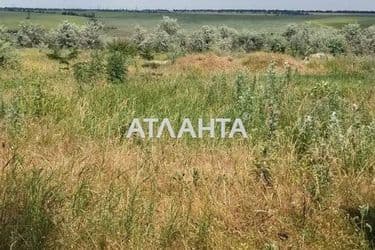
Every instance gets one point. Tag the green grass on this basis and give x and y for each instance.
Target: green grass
(125, 21)
(339, 21)
(70, 179)
(122, 23)
(12, 19)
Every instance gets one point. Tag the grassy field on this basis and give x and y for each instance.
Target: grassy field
(122, 23)
(70, 179)
(12, 19)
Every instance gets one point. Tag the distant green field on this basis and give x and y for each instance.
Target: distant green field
(12, 19)
(125, 21)
(121, 23)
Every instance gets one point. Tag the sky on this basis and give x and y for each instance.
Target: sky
(196, 4)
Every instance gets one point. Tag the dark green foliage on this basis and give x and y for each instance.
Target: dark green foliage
(127, 48)
(276, 43)
(120, 53)
(90, 71)
(336, 44)
(116, 67)
(250, 42)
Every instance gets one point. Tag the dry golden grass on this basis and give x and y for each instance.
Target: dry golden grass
(242, 207)
(120, 194)
(206, 63)
(259, 62)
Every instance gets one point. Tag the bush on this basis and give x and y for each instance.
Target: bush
(119, 54)
(276, 43)
(306, 39)
(355, 38)
(127, 48)
(290, 31)
(116, 67)
(299, 40)
(64, 42)
(3, 31)
(227, 32)
(250, 41)
(169, 25)
(204, 39)
(165, 38)
(336, 44)
(90, 35)
(161, 41)
(8, 57)
(66, 36)
(227, 38)
(138, 36)
(31, 35)
(5, 35)
(146, 49)
(90, 71)
(370, 39)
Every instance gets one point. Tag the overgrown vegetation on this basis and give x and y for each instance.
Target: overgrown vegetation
(304, 179)
(168, 36)
(298, 40)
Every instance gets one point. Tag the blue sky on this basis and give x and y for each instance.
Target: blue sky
(196, 4)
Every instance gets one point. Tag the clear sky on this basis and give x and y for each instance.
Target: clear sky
(197, 4)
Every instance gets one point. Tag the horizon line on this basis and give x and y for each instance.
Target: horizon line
(186, 9)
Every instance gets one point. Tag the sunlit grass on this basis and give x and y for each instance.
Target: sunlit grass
(69, 178)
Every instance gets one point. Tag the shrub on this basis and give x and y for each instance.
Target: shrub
(158, 41)
(204, 39)
(64, 42)
(90, 35)
(276, 43)
(116, 67)
(181, 40)
(90, 71)
(138, 36)
(125, 47)
(31, 35)
(299, 40)
(306, 39)
(355, 38)
(290, 31)
(370, 39)
(119, 53)
(225, 44)
(5, 34)
(169, 25)
(336, 44)
(161, 41)
(250, 41)
(227, 32)
(2, 32)
(8, 57)
(228, 37)
(66, 36)
(146, 49)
